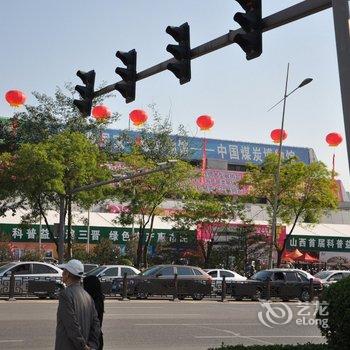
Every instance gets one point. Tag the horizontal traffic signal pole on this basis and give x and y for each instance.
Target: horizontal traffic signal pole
(120, 178)
(278, 19)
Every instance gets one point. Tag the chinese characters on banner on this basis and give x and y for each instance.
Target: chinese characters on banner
(318, 243)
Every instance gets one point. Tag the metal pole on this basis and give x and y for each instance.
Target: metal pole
(277, 178)
(61, 231)
(88, 231)
(40, 228)
(342, 38)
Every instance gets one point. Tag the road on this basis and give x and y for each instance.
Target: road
(160, 324)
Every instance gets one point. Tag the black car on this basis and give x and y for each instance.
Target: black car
(284, 283)
(160, 280)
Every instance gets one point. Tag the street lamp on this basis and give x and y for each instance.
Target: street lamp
(277, 174)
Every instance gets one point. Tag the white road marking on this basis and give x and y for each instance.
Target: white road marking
(135, 307)
(11, 341)
(194, 324)
(151, 314)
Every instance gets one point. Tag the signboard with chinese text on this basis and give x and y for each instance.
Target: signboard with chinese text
(119, 235)
(319, 243)
(234, 152)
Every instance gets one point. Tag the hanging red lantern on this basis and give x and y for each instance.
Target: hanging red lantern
(15, 98)
(138, 117)
(101, 112)
(276, 135)
(205, 122)
(334, 139)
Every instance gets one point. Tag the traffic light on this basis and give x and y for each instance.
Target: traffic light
(250, 21)
(127, 87)
(86, 92)
(181, 52)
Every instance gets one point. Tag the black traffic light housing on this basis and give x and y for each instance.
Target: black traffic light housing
(181, 52)
(86, 92)
(127, 87)
(251, 23)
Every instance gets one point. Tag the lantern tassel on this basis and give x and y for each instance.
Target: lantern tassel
(204, 160)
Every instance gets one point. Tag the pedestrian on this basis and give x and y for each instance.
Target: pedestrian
(78, 327)
(93, 286)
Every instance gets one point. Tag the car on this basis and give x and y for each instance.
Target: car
(329, 277)
(218, 274)
(284, 283)
(32, 277)
(111, 272)
(89, 267)
(160, 280)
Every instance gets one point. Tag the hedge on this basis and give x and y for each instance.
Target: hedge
(275, 347)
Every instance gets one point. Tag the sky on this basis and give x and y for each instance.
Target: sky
(45, 42)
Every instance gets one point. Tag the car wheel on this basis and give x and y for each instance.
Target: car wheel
(197, 296)
(304, 296)
(181, 297)
(257, 295)
(42, 297)
(285, 300)
(238, 298)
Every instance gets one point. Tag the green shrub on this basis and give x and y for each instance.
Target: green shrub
(337, 332)
(275, 347)
(124, 261)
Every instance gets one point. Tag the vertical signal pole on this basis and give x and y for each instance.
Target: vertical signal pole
(342, 38)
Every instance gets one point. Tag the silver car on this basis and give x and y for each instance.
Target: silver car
(31, 278)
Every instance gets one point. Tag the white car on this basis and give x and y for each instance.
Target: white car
(110, 272)
(332, 276)
(25, 272)
(218, 274)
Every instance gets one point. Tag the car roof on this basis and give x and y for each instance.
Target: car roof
(334, 271)
(173, 265)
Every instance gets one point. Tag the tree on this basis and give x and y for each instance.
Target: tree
(154, 145)
(40, 174)
(5, 250)
(306, 191)
(105, 253)
(211, 214)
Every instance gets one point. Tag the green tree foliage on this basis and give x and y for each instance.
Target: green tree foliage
(212, 212)
(5, 251)
(306, 191)
(39, 174)
(105, 253)
(31, 255)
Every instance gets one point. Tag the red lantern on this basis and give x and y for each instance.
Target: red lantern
(101, 112)
(334, 139)
(205, 122)
(276, 135)
(15, 98)
(138, 117)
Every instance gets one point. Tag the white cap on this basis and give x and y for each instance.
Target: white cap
(74, 266)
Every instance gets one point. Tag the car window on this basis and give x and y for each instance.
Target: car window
(226, 274)
(213, 273)
(336, 277)
(278, 276)
(323, 274)
(261, 276)
(112, 271)
(96, 271)
(291, 276)
(167, 271)
(129, 272)
(152, 271)
(7, 266)
(302, 276)
(23, 269)
(41, 269)
(198, 272)
(184, 271)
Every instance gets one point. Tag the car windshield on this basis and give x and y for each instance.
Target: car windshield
(261, 276)
(151, 271)
(323, 274)
(7, 266)
(95, 271)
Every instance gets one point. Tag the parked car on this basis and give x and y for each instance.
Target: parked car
(89, 267)
(160, 280)
(32, 277)
(111, 272)
(332, 276)
(284, 283)
(218, 274)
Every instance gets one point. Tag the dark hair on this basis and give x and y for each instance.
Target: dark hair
(93, 286)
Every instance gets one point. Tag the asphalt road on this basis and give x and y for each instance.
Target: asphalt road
(185, 325)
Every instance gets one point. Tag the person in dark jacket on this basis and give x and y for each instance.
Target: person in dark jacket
(93, 286)
(78, 326)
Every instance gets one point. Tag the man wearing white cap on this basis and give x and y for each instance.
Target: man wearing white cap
(78, 327)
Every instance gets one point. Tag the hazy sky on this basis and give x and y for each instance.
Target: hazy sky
(45, 42)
